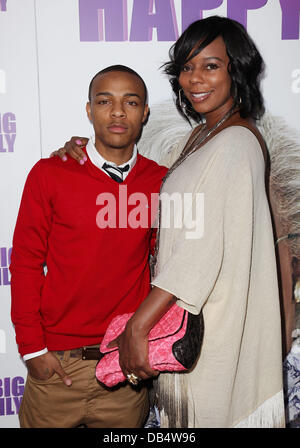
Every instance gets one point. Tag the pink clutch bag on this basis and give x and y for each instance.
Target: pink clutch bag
(174, 344)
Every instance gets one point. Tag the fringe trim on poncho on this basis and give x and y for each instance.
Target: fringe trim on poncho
(169, 395)
(268, 415)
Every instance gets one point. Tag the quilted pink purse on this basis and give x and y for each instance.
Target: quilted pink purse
(174, 344)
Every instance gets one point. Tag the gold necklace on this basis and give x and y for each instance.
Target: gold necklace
(198, 141)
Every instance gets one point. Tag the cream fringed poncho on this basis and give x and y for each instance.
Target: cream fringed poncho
(229, 273)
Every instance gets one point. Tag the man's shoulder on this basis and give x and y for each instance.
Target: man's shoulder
(48, 171)
(52, 164)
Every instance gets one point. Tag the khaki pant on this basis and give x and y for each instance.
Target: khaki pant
(52, 404)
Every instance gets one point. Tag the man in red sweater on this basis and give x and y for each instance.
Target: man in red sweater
(84, 224)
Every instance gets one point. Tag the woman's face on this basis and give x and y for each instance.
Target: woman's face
(206, 82)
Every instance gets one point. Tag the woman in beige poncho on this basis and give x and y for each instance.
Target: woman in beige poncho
(229, 272)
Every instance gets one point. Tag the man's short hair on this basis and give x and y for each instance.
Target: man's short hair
(119, 68)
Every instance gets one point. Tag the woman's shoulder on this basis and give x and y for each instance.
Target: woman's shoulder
(239, 139)
(235, 148)
(240, 132)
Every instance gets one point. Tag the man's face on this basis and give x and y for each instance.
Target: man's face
(117, 110)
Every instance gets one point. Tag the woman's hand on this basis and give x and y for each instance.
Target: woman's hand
(73, 149)
(133, 353)
(133, 342)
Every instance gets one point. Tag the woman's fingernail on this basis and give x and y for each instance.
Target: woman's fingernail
(78, 142)
(81, 162)
(64, 158)
(85, 158)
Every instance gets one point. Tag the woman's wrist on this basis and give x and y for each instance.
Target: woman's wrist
(150, 312)
(138, 327)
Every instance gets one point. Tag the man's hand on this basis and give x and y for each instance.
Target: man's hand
(44, 366)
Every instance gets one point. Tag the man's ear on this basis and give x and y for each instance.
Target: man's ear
(88, 111)
(146, 113)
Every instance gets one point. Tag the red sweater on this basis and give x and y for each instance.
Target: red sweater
(93, 273)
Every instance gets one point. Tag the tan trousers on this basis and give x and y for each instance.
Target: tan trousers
(52, 404)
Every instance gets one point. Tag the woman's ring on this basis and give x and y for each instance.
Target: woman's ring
(133, 379)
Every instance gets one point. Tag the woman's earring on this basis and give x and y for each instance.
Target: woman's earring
(181, 103)
(180, 99)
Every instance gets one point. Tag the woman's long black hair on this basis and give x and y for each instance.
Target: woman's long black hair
(245, 63)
